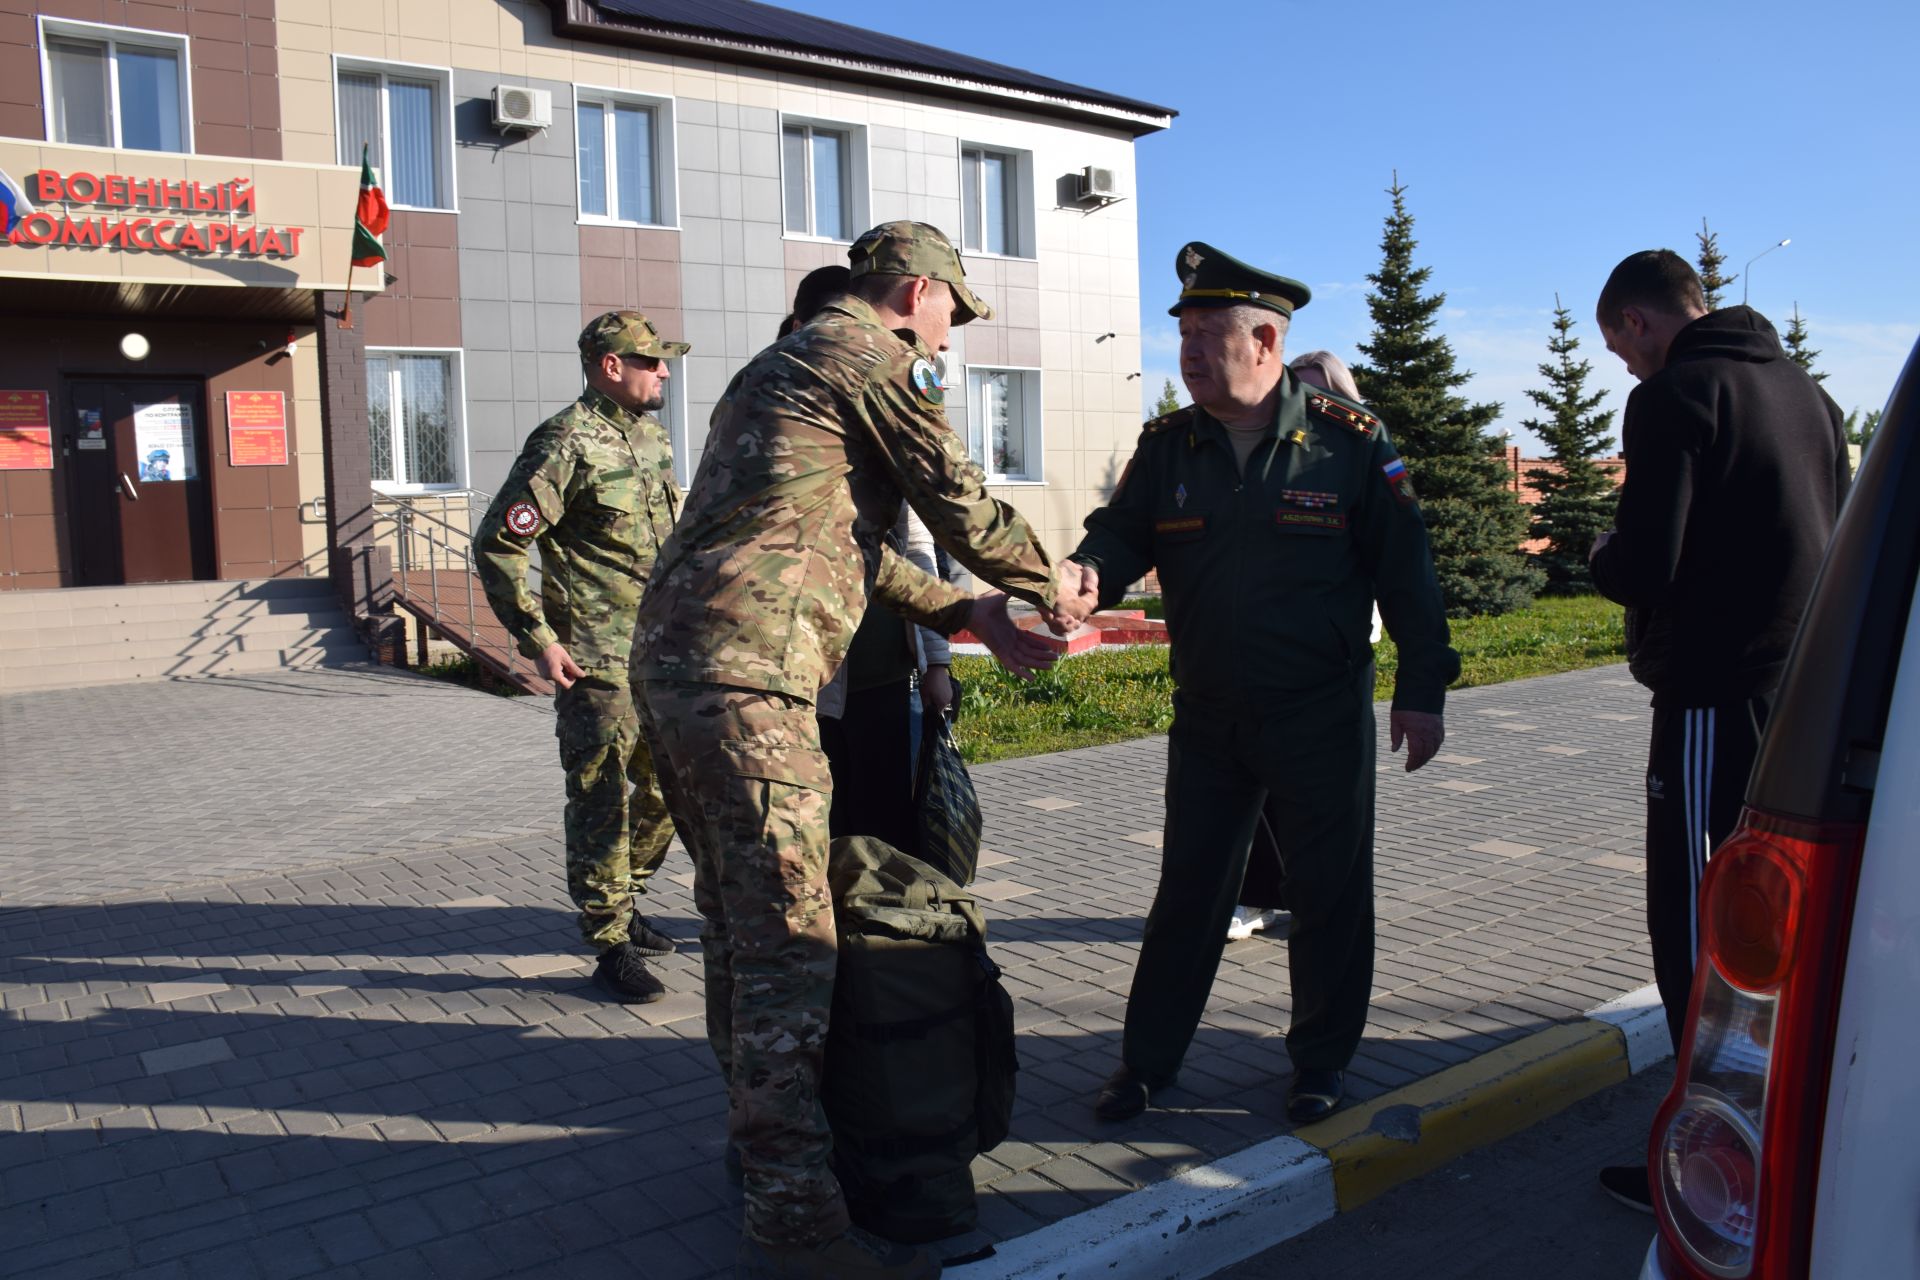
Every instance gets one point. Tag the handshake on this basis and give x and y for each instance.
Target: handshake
(1021, 651)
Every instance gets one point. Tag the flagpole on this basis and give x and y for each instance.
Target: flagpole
(346, 312)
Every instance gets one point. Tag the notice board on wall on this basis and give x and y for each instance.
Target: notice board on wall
(257, 428)
(26, 431)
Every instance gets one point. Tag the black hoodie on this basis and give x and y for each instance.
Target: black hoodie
(1736, 468)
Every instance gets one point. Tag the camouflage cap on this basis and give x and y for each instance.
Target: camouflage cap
(1209, 278)
(626, 333)
(916, 249)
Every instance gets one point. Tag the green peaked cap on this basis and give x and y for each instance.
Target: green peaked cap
(1210, 278)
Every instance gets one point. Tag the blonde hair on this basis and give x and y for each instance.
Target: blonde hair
(1332, 368)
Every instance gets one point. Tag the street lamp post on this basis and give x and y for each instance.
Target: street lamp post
(1755, 258)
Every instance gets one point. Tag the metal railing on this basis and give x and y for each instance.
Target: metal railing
(431, 537)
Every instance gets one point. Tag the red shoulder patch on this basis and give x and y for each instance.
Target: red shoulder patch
(523, 519)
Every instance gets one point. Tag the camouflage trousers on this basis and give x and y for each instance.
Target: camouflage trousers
(617, 823)
(748, 786)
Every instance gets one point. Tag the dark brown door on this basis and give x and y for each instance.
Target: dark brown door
(140, 496)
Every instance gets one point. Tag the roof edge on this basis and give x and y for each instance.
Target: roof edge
(581, 20)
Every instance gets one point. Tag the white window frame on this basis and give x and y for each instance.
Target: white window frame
(444, 166)
(1033, 407)
(676, 422)
(1024, 222)
(859, 193)
(666, 156)
(457, 405)
(103, 33)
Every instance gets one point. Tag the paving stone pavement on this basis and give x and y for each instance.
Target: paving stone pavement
(292, 1044)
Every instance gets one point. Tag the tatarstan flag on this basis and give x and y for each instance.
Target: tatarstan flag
(369, 217)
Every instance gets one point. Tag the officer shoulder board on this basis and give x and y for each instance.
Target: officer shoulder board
(1183, 416)
(1344, 412)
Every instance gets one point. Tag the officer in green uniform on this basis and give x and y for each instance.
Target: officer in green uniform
(1274, 512)
(593, 488)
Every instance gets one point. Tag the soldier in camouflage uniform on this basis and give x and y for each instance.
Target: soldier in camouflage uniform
(750, 613)
(594, 489)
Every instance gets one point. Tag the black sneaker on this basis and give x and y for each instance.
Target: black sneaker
(646, 939)
(1628, 1184)
(623, 974)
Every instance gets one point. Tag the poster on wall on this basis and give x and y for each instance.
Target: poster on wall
(257, 428)
(26, 431)
(163, 442)
(92, 437)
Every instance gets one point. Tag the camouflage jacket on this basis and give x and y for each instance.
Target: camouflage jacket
(593, 486)
(1267, 575)
(811, 450)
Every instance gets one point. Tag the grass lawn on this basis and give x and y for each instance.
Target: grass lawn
(1111, 695)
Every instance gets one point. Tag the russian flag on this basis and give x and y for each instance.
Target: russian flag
(14, 205)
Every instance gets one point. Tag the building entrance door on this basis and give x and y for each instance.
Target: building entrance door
(138, 490)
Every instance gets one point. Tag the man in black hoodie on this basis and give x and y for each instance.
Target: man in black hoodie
(1736, 468)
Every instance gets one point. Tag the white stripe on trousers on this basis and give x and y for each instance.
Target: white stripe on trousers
(1696, 769)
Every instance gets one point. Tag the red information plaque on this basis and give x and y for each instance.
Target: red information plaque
(26, 431)
(257, 428)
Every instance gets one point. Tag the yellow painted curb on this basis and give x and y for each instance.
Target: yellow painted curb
(1377, 1146)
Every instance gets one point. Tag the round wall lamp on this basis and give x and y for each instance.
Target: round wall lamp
(134, 346)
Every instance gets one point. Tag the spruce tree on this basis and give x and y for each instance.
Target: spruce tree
(1168, 402)
(1474, 520)
(1576, 497)
(1711, 281)
(1797, 349)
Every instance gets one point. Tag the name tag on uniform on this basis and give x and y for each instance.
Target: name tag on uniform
(1311, 519)
(1186, 524)
(624, 473)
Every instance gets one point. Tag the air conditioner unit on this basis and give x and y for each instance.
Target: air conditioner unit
(518, 107)
(1099, 184)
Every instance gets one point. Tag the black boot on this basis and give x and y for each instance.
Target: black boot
(623, 974)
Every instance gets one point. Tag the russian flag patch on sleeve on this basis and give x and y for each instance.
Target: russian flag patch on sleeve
(1398, 481)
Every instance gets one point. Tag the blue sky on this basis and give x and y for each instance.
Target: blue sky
(1540, 144)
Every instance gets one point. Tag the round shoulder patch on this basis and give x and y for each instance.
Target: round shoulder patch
(523, 518)
(926, 382)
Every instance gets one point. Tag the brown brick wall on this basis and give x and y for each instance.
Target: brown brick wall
(234, 75)
(256, 519)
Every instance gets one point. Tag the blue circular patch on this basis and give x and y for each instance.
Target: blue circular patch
(927, 383)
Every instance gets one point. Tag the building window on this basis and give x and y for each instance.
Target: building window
(990, 183)
(673, 418)
(400, 116)
(108, 88)
(821, 168)
(626, 158)
(1003, 422)
(413, 416)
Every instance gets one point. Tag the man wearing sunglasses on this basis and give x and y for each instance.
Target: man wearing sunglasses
(593, 488)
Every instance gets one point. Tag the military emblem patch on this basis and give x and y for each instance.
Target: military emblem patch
(1180, 496)
(523, 518)
(1398, 481)
(926, 383)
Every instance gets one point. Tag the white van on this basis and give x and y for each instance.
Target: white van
(1789, 1145)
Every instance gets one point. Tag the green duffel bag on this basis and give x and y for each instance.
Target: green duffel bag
(920, 1058)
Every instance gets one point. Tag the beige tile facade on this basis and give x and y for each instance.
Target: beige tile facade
(1080, 282)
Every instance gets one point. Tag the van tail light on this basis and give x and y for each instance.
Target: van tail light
(1734, 1149)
